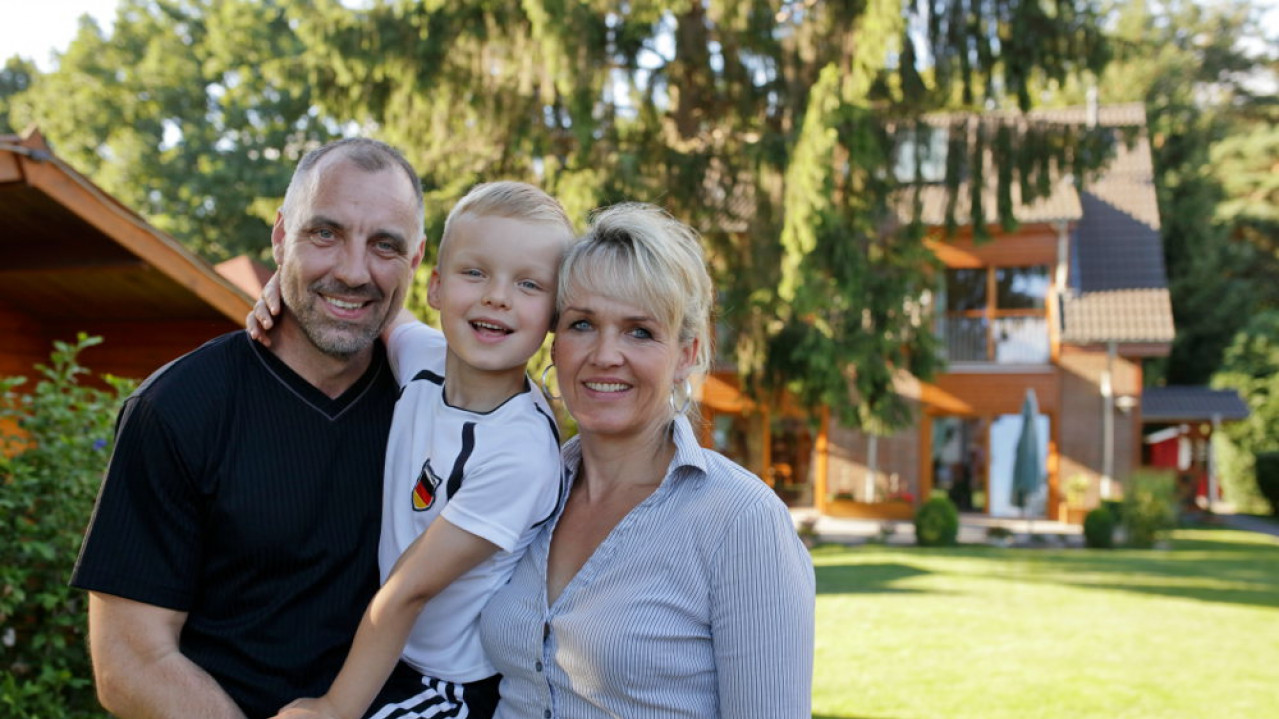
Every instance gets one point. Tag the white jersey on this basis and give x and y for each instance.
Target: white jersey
(494, 474)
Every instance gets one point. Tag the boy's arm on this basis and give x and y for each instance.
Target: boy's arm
(440, 555)
(139, 671)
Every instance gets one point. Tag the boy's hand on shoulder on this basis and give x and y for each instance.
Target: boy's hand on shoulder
(261, 318)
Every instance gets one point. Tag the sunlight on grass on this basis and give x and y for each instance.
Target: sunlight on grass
(985, 633)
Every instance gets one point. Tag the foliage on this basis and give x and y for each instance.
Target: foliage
(1250, 366)
(1268, 478)
(56, 443)
(15, 77)
(1150, 502)
(1099, 528)
(767, 126)
(1187, 62)
(937, 522)
(191, 112)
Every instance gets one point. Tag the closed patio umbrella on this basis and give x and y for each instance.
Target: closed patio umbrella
(1028, 466)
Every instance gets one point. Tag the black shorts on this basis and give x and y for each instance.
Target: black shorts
(409, 695)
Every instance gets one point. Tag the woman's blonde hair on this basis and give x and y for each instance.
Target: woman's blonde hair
(637, 253)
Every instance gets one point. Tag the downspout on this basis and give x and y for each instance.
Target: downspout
(1212, 462)
(1108, 422)
(872, 466)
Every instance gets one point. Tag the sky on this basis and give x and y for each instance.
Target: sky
(35, 28)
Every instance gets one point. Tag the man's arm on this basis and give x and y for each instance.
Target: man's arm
(140, 673)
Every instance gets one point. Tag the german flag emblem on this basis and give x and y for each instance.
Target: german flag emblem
(425, 488)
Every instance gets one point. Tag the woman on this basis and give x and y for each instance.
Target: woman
(672, 583)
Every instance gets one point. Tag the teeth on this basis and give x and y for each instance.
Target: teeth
(343, 304)
(607, 386)
(488, 326)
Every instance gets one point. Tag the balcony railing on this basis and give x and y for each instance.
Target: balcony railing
(1006, 340)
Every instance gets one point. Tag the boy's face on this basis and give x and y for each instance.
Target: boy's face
(494, 287)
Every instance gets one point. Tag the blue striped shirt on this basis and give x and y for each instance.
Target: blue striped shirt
(699, 603)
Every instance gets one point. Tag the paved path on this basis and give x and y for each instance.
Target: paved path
(1250, 523)
(973, 529)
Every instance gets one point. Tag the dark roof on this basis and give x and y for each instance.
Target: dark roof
(1191, 404)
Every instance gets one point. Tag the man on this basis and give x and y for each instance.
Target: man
(234, 543)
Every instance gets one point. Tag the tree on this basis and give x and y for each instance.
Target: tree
(1186, 61)
(767, 126)
(1250, 367)
(192, 112)
(14, 78)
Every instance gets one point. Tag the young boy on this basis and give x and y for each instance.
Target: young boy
(472, 465)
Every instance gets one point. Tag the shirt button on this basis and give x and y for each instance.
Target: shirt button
(547, 714)
(538, 666)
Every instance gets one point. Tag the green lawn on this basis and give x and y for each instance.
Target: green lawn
(912, 633)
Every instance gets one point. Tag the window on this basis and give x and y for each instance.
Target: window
(996, 314)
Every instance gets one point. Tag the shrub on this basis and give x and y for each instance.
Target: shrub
(1268, 478)
(55, 444)
(1150, 500)
(937, 523)
(1099, 529)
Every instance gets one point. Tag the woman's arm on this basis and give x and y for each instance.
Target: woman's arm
(762, 617)
(440, 555)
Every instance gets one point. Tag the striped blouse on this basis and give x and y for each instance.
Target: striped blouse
(699, 603)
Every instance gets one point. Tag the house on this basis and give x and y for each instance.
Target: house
(74, 259)
(1179, 423)
(1066, 306)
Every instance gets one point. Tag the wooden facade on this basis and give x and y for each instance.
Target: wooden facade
(76, 260)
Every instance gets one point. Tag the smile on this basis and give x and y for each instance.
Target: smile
(607, 386)
(489, 327)
(342, 304)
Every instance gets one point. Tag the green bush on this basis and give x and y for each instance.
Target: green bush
(1150, 501)
(937, 523)
(1099, 529)
(56, 443)
(1268, 478)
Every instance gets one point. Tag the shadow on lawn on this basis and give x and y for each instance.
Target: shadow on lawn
(1205, 565)
(865, 578)
(848, 716)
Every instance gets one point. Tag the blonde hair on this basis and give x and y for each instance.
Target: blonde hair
(639, 254)
(508, 199)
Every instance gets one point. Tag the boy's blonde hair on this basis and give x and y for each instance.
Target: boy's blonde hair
(638, 254)
(512, 200)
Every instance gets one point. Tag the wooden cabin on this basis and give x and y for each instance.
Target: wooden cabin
(74, 259)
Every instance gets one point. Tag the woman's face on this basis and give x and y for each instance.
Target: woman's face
(616, 364)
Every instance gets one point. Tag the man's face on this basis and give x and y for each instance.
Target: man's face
(346, 253)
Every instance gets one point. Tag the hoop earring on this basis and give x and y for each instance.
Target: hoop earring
(688, 398)
(545, 389)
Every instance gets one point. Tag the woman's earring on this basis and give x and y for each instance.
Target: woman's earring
(545, 389)
(688, 398)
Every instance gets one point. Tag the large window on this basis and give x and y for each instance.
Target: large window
(996, 314)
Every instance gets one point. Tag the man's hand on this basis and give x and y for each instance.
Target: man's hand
(313, 708)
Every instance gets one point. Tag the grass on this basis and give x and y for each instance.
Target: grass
(987, 633)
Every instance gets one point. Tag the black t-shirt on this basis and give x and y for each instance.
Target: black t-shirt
(241, 494)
